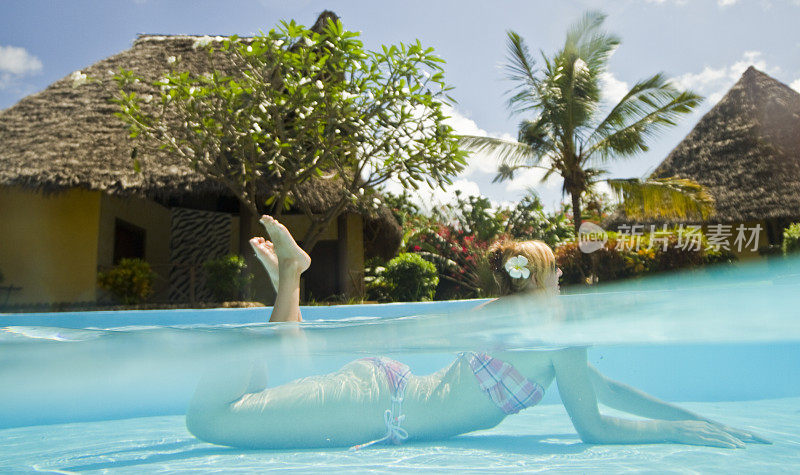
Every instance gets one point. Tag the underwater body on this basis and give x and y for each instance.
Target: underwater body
(109, 390)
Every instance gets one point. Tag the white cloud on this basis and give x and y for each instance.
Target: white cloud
(16, 62)
(721, 3)
(715, 82)
(532, 178)
(487, 163)
(602, 187)
(676, 2)
(476, 162)
(795, 85)
(481, 168)
(428, 198)
(613, 88)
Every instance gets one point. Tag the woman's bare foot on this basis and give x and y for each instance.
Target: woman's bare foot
(265, 252)
(290, 254)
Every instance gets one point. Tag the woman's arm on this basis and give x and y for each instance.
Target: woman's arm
(578, 394)
(626, 398)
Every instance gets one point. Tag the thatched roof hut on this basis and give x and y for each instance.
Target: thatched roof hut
(65, 137)
(746, 152)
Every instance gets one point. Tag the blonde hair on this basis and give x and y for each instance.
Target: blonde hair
(541, 263)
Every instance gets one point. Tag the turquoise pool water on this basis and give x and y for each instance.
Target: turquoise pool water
(107, 391)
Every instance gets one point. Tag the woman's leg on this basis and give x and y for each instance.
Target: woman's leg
(292, 261)
(333, 410)
(218, 388)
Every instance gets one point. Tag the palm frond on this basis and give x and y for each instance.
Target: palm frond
(649, 107)
(537, 135)
(520, 70)
(570, 90)
(589, 24)
(592, 174)
(587, 40)
(505, 172)
(663, 198)
(505, 151)
(520, 67)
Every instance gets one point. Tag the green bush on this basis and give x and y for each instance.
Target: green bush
(613, 262)
(378, 289)
(227, 277)
(130, 281)
(410, 278)
(719, 256)
(608, 262)
(791, 239)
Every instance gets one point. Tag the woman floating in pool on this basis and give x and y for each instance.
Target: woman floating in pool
(375, 400)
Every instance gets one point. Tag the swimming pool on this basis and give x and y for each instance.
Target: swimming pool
(101, 390)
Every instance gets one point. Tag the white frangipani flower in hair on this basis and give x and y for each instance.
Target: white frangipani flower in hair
(517, 267)
(171, 60)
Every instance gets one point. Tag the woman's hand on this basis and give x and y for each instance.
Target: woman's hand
(702, 433)
(742, 435)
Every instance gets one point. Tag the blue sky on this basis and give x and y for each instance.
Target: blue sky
(704, 45)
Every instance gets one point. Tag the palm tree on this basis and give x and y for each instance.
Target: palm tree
(573, 135)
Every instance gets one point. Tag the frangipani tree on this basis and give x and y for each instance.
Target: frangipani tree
(572, 135)
(295, 104)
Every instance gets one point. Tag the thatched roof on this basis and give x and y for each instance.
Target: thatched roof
(65, 136)
(745, 151)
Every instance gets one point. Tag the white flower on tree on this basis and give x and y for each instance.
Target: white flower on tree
(202, 42)
(289, 132)
(78, 78)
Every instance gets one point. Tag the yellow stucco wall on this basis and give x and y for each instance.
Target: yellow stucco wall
(351, 254)
(146, 214)
(48, 245)
(52, 246)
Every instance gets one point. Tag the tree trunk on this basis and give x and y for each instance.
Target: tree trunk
(314, 232)
(246, 232)
(576, 222)
(318, 226)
